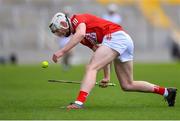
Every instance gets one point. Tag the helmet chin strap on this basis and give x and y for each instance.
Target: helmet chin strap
(69, 32)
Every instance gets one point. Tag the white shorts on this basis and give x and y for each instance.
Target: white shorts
(122, 43)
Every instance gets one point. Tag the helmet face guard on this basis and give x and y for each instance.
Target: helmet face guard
(53, 27)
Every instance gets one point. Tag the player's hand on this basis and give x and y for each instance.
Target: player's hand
(104, 83)
(55, 58)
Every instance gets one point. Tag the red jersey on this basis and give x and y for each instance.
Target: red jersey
(96, 28)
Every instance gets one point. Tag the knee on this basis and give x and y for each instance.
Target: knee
(126, 86)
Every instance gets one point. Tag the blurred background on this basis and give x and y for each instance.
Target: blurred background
(26, 39)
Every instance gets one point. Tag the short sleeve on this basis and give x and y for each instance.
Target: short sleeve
(76, 20)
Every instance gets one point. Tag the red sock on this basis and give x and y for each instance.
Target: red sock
(159, 90)
(82, 96)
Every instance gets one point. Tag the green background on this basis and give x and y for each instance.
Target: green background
(26, 94)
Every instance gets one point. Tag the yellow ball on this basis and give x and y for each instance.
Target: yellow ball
(44, 64)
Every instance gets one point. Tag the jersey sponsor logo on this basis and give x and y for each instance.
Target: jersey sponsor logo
(75, 21)
(91, 37)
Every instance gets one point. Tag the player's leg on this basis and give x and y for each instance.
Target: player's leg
(124, 71)
(101, 57)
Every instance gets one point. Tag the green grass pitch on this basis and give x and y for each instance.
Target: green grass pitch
(26, 94)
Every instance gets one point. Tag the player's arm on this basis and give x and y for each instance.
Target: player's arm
(106, 73)
(75, 39)
(104, 82)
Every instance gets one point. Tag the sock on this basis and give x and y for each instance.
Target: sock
(81, 97)
(160, 90)
(165, 93)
